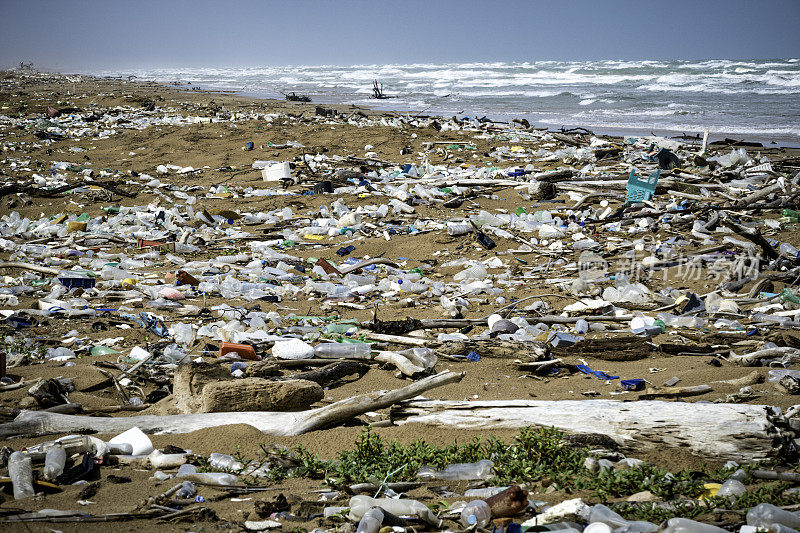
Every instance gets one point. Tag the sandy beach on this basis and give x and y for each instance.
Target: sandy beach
(128, 129)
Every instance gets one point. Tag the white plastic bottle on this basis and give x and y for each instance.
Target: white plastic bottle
(20, 471)
(476, 513)
(54, 462)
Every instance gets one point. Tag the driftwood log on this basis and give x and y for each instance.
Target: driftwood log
(713, 432)
(30, 423)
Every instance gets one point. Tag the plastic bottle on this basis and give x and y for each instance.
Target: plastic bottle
(476, 513)
(459, 471)
(458, 229)
(159, 459)
(787, 249)
(187, 490)
(684, 525)
(482, 494)
(213, 478)
(222, 461)
(476, 271)
(371, 521)
(333, 350)
(732, 487)
(54, 462)
(360, 504)
(764, 514)
(601, 513)
(20, 471)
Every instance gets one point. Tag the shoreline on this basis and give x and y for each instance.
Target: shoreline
(775, 141)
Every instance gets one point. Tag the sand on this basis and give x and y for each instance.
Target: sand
(212, 146)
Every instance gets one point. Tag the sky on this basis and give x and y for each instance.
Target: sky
(87, 35)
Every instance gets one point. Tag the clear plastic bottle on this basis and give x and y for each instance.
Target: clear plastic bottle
(482, 469)
(371, 521)
(187, 490)
(213, 478)
(360, 504)
(482, 494)
(787, 249)
(458, 229)
(764, 514)
(684, 525)
(222, 461)
(20, 470)
(476, 513)
(54, 462)
(601, 513)
(333, 350)
(732, 487)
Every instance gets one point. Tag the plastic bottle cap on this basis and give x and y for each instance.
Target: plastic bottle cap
(472, 519)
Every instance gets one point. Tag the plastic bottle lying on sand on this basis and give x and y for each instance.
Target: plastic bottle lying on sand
(222, 461)
(54, 462)
(459, 471)
(482, 494)
(371, 521)
(332, 350)
(764, 514)
(684, 525)
(476, 514)
(359, 505)
(212, 478)
(20, 471)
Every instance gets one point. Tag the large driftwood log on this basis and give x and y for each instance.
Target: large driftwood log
(207, 388)
(31, 423)
(717, 432)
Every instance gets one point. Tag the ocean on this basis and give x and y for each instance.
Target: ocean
(749, 99)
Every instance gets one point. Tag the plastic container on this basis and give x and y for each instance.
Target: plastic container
(787, 249)
(333, 350)
(476, 514)
(20, 471)
(460, 471)
(158, 459)
(140, 443)
(732, 487)
(458, 229)
(482, 494)
(476, 271)
(292, 349)
(601, 514)
(277, 172)
(244, 351)
(359, 505)
(212, 478)
(371, 521)
(764, 514)
(54, 462)
(222, 461)
(187, 490)
(684, 525)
